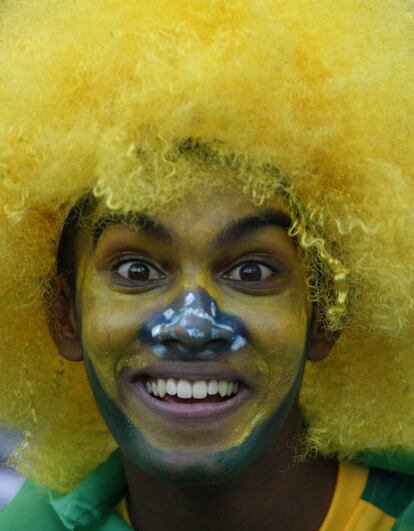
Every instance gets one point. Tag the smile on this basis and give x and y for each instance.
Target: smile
(186, 390)
(190, 399)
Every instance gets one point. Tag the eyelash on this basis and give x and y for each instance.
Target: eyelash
(132, 260)
(272, 270)
(245, 263)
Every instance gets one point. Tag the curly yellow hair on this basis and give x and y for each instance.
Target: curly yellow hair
(136, 101)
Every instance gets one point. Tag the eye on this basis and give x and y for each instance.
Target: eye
(250, 272)
(138, 271)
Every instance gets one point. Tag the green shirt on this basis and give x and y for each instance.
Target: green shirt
(90, 507)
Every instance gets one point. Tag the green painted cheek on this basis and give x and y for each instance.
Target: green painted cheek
(187, 467)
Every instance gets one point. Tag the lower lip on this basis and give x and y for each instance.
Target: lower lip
(191, 411)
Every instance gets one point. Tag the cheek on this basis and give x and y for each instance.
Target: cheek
(109, 327)
(277, 328)
(283, 328)
(102, 327)
(278, 331)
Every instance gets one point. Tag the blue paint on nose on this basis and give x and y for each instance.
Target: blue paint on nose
(193, 327)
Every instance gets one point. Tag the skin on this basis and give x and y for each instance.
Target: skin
(225, 461)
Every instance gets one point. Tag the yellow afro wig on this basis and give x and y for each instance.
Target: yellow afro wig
(134, 102)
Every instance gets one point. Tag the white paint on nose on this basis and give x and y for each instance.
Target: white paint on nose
(155, 331)
(168, 313)
(189, 299)
(238, 343)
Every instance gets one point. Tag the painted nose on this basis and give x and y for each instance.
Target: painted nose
(196, 329)
(195, 340)
(193, 328)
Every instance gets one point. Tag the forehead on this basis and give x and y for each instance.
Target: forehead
(201, 215)
(213, 211)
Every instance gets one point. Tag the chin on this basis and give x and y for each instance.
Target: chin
(188, 468)
(192, 467)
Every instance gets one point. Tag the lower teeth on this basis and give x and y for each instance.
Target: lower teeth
(176, 399)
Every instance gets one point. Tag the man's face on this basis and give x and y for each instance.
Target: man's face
(205, 299)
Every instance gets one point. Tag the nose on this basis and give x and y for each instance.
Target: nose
(195, 332)
(193, 328)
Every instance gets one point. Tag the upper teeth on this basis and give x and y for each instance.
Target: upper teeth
(186, 389)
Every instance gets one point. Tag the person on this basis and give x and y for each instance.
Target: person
(206, 242)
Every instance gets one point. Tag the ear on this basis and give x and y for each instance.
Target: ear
(319, 343)
(63, 325)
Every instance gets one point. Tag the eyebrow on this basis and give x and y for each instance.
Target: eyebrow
(135, 220)
(243, 226)
(230, 233)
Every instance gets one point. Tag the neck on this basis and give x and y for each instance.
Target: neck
(273, 492)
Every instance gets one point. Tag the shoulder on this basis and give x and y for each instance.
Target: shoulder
(30, 509)
(393, 494)
(37, 509)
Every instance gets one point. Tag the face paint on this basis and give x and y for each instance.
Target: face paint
(196, 318)
(223, 466)
(194, 328)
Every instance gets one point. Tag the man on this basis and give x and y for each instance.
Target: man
(207, 207)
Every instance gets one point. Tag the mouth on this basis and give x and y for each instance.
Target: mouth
(178, 391)
(190, 398)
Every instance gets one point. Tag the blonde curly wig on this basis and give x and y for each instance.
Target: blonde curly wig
(134, 102)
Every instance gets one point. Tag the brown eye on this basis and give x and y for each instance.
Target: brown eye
(250, 272)
(138, 271)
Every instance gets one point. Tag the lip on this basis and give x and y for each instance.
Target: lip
(186, 414)
(192, 371)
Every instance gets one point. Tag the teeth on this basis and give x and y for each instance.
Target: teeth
(185, 389)
(200, 389)
(155, 388)
(222, 388)
(171, 387)
(162, 388)
(212, 387)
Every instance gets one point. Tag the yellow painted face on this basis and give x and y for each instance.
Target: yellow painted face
(205, 305)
